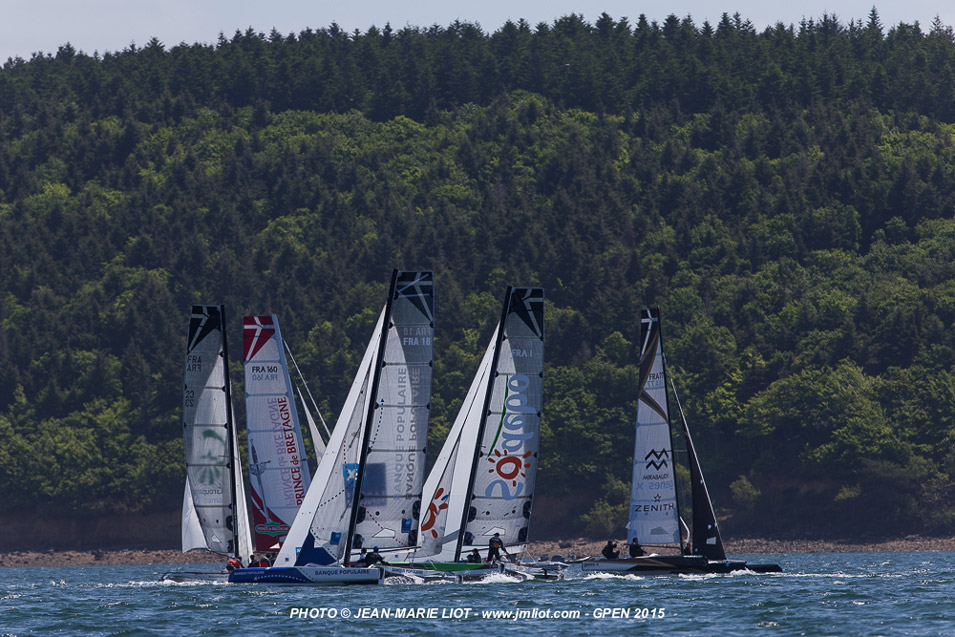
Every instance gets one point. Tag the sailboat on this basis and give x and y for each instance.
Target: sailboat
(366, 490)
(214, 514)
(483, 480)
(278, 466)
(655, 509)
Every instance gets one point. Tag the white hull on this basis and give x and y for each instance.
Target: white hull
(458, 571)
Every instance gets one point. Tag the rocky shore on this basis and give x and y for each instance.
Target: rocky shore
(745, 546)
(579, 547)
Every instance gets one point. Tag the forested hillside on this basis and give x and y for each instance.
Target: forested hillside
(786, 197)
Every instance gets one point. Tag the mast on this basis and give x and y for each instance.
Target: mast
(655, 312)
(480, 435)
(369, 420)
(230, 428)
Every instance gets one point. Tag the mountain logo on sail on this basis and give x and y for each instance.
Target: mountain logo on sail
(659, 455)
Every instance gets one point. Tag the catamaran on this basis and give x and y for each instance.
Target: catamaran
(366, 490)
(482, 483)
(214, 514)
(655, 509)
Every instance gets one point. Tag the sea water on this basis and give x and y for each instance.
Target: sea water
(817, 594)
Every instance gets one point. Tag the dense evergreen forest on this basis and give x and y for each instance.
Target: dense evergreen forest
(785, 196)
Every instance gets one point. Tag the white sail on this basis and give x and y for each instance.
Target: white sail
(445, 490)
(212, 468)
(192, 536)
(278, 466)
(318, 445)
(392, 475)
(319, 528)
(503, 480)
(243, 532)
(653, 504)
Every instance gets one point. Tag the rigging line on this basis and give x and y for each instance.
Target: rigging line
(307, 390)
(678, 404)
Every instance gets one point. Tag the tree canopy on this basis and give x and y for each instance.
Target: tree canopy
(786, 196)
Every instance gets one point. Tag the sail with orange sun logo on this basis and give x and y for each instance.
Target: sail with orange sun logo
(504, 473)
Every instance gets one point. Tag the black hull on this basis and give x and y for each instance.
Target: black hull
(674, 564)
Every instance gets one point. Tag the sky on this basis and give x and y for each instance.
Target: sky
(30, 26)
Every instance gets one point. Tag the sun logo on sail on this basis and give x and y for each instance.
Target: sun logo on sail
(508, 466)
(439, 502)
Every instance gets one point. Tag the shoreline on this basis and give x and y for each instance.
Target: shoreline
(580, 547)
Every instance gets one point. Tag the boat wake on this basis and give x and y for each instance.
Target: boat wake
(498, 578)
(613, 576)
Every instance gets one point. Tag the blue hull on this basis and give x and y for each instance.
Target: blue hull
(312, 575)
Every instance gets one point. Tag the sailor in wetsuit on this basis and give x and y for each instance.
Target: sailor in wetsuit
(374, 558)
(609, 551)
(635, 549)
(494, 547)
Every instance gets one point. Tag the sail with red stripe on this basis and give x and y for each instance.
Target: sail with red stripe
(278, 467)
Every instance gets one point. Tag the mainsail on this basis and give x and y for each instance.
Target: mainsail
(653, 501)
(214, 512)
(278, 467)
(391, 473)
(323, 530)
(504, 461)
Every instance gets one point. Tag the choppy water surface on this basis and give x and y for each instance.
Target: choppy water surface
(818, 594)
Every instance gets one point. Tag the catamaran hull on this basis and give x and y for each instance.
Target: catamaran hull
(313, 575)
(673, 564)
(450, 570)
(466, 571)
